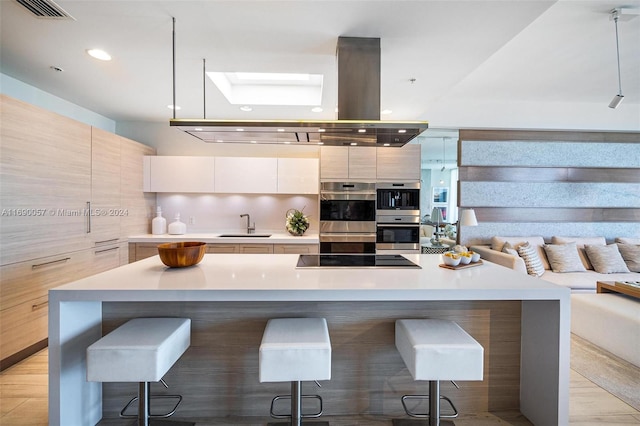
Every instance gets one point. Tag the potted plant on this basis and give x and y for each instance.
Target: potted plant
(297, 223)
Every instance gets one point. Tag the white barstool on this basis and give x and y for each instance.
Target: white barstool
(434, 350)
(295, 350)
(141, 350)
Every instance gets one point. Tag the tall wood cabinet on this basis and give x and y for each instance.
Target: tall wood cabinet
(347, 163)
(70, 195)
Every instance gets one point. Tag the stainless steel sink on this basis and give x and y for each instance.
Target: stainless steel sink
(245, 235)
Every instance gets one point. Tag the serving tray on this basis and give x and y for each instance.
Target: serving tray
(468, 265)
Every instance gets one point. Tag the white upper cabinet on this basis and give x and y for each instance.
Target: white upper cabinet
(298, 175)
(248, 175)
(181, 174)
(399, 163)
(343, 162)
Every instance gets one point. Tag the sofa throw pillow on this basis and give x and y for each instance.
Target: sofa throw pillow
(508, 248)
(606, 259)
(564, 257)
(580, 243)
(532, 261)
(498, 242)
(631, 255)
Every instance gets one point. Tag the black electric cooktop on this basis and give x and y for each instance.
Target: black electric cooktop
(354, 261)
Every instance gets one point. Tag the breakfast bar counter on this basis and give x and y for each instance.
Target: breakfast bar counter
(522, 322)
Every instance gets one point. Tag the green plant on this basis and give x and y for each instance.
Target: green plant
(297, 223)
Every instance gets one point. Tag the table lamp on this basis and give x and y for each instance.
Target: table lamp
(467, 218)
(436, 218)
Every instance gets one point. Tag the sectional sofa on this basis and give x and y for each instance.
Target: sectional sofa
(611, 321)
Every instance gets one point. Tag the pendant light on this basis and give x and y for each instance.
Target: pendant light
(615, 14)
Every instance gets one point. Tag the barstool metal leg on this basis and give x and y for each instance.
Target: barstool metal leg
(143, 404)
(434, 403)
(296, 404)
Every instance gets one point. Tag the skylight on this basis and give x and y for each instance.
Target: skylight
(249, 88)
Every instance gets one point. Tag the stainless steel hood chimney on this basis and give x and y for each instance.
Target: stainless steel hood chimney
(358, 111)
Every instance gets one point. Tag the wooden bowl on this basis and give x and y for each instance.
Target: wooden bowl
(179, 255)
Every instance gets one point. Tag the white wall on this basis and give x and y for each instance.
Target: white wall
(24, 92)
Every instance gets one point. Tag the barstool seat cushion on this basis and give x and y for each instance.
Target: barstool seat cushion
(435, 349)
(141, 350)
(295, 349)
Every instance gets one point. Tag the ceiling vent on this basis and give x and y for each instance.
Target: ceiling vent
(45, 9)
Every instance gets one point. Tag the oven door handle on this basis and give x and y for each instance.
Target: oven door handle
(399, 225)
(355, 237)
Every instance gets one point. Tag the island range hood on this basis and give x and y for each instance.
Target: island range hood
(358, 120)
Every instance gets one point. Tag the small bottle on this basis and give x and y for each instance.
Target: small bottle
(176, 227)
(159, 223)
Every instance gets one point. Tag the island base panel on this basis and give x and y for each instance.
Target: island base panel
(218, 375)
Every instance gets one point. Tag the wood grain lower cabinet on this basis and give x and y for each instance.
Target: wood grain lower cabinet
(222, 248)
(295, 248)
(24, 296)
(255, 248)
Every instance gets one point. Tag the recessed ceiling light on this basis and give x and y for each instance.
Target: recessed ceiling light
(246, 108)
(320, 143)
(321, 130)
(386, 112)
(354, 143)
(219, 140)
(198, 129)
(281, 130)
(239, 130)
(253, 142)
(316, 109)
(99, 54)
(177, 108)
(387, 144)
(287, 143)
(362, 130)
(402, 131)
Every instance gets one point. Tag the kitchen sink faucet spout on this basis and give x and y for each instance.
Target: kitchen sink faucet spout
(250, 229)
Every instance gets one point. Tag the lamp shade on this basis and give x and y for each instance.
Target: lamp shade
(436, 215)
(468, 218)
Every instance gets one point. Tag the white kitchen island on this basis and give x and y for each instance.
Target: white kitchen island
(522, 322)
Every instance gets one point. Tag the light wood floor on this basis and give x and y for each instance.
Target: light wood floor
(23, 401)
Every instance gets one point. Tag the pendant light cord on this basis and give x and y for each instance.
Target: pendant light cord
(615, 20)
(174, 66)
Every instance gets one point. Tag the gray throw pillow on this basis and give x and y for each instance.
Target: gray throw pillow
(631, 255)
(508, 248)
(606, 259)
(564, 257)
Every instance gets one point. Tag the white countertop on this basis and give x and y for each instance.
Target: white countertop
(275, 238)
(273, 277)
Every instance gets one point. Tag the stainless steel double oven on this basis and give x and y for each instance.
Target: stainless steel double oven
(347, 217)
(398, 217)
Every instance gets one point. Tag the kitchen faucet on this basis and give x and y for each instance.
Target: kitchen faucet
(250, 229)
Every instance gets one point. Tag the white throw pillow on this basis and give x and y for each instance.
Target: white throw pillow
(631, 255)
(606, 259)
(508, 248)
(580, 243)
(536, 241)
(564, 257)
(532, 261)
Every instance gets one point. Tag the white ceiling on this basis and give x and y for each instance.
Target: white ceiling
(526, 64)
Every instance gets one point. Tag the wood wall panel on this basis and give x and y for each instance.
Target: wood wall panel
(556, 136)
(218, 375)
(548, 174)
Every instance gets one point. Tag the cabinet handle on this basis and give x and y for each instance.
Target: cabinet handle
(37, 306)
(106, 250)
(88, 217)
(113, 240)
(53, 262)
